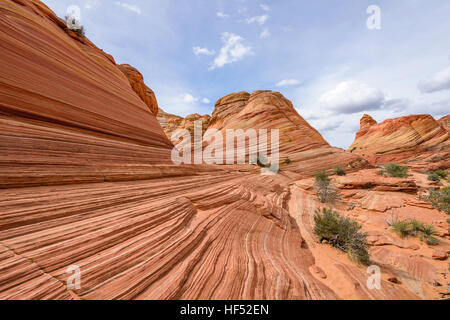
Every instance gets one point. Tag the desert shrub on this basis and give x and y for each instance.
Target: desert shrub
(439, 199)
(441, 173)
(415, 228)
(343, 233)
(427, 234)
(339, 171)
(381, 172)
(287, 161)
(351, 151)
(396, 171)
(327, 193)
(402, 228)
(434, 177)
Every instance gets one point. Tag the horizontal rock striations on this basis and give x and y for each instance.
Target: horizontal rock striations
(67, 112)
(87, 183)
(400, 138)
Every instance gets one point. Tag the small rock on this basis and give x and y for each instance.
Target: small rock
(439, 255)
(394, 280)
(315, 269)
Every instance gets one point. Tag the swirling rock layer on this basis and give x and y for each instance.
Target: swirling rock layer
(86, 181)
(67, 113)
(302, 148)
(400, 139)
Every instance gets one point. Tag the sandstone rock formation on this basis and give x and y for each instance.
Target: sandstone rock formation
(137, 83)
(299, 143)
(171, 123)
(86, 181)
(399, 139)
(445, 122)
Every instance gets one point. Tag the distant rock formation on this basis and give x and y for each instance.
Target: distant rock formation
(137, 83)
(87, 181)
(400, 138)
(445, 122)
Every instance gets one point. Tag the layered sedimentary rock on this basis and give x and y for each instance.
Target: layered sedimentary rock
(400, 138)
(302, 148)
(137, 83)
(168, 121)
(67, 112)
(171, 123)
(407, 265)
(445, 122)
(86, 182)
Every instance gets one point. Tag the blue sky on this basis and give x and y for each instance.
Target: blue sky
(319, 54)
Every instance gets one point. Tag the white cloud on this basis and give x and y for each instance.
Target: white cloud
(288, 82)
(438, 82)
(129, 7)
(222, 15)
(265, 7)
(203, 51)
(188, 98)
(258, 19)
(351, 97)
(265, 33)
(233, 50)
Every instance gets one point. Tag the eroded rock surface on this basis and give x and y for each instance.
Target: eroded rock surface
(400, 139)
(86, 180)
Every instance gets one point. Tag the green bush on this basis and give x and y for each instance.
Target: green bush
(327, 193)
(396, 171)
(440, 199)
(343, 233)
(427, 235)
(402, 228)
(322, 177)
(416, 226)
(434, 177)
(339, 171)
(381, 172)
(287, 161)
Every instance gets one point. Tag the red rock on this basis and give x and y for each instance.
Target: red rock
(394, 280)
(299, 141)
(439, 255)
(316, 270)
(137, 83)
(86, 180)
(445, 122)
(399, 139)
